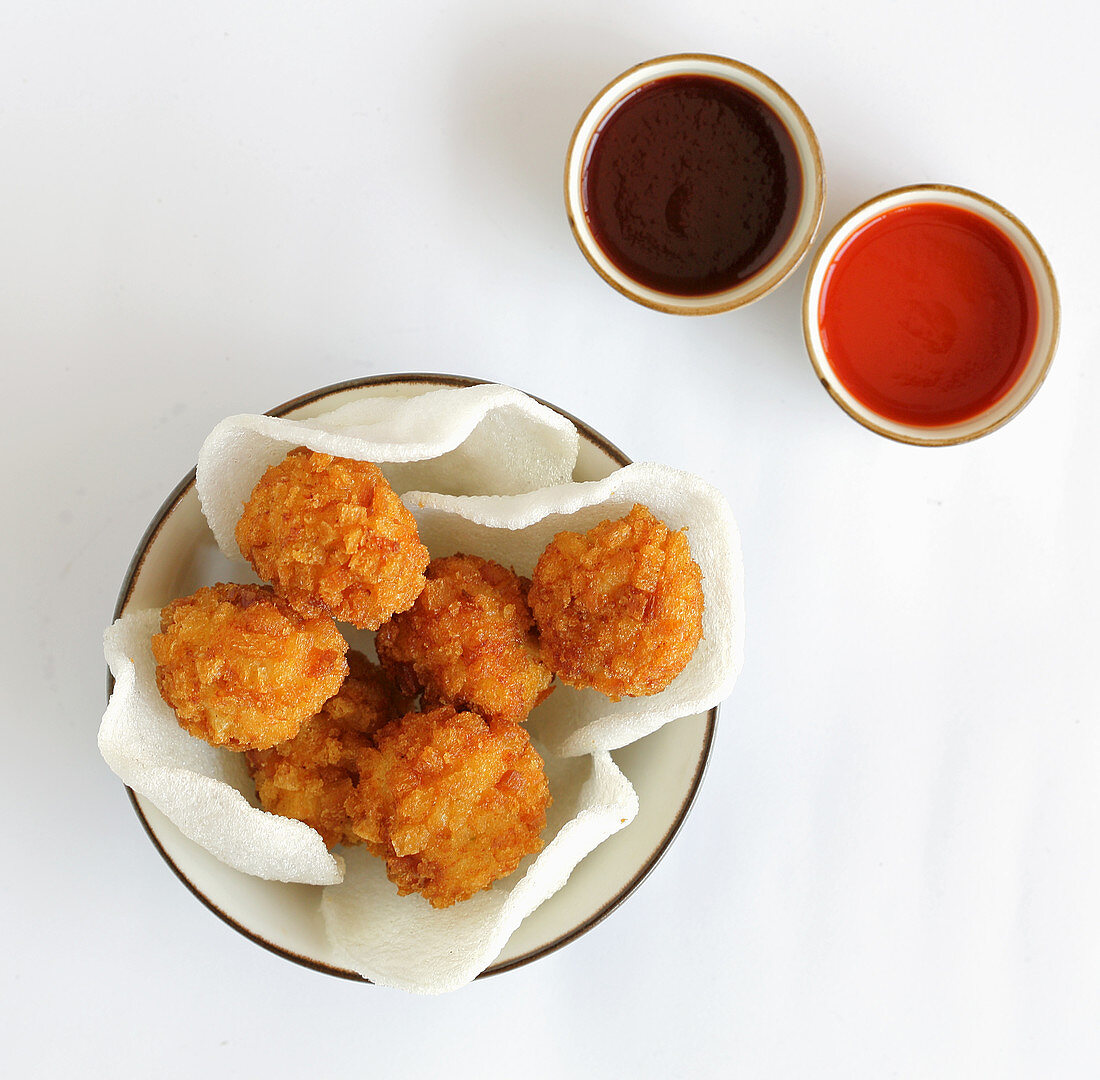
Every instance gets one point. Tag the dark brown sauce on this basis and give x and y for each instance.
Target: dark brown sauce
(691, 185)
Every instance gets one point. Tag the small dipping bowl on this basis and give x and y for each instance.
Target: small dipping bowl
(931, 315)
(693, 184)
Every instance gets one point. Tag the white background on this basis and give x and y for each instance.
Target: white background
(891, 869)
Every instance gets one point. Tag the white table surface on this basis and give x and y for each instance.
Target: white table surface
(891, 869)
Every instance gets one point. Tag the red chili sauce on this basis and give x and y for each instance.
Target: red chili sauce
(928, 314)
(691, 185)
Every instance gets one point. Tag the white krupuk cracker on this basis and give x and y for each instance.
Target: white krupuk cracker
(471, 440)
(393, 940)
(196, 786)
(402, 941)
(515, 529)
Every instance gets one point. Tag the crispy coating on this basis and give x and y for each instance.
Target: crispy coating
(451, 801)
(468, 641)
(243, 669)
(333, 538)
(619, 608)
(310, 776)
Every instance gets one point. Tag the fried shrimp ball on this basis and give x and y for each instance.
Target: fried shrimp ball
(451, 801)
(241, 668)
(333, 538)
(310, 776)
(468, 641)
(619, 608)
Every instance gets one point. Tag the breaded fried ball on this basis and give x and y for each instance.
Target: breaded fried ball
(241, 668)
(468, 641)
(451, 801)
(619, 608)
(333, 538)
(311, 776)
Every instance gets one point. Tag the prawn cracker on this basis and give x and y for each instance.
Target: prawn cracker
(196, 786)
(403, 942)
(473, 440)
(514, 530)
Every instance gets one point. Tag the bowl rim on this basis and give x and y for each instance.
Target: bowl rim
(134, 568)
(925, 192)
(670, 303)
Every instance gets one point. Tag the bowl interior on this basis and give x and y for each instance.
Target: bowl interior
(179, 555)
(1046, 336)
(809, 156)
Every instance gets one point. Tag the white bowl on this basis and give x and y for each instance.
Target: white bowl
(809, 157)
(178, 554)
(1046, 337)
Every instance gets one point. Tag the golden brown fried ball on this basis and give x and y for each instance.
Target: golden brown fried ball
(451, 801)
(333, 538)
(241, 668)
(468, 641)
(619, 608)
(311, 776)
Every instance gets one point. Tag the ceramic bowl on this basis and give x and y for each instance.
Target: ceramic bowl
(178, 554)
(781, 104)
(1039, 358)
